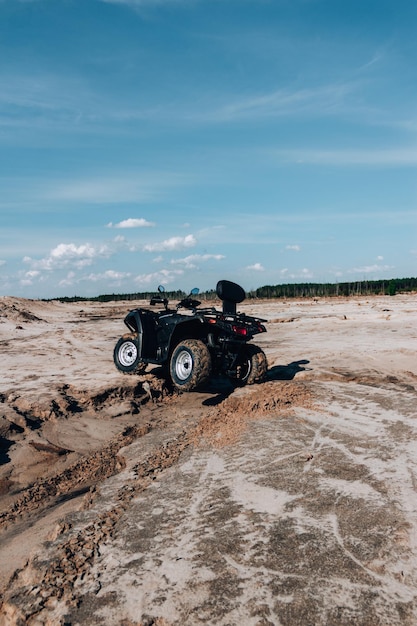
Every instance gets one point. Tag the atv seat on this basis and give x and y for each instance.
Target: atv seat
(230, 294)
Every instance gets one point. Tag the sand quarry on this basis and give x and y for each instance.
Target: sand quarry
(291, 502)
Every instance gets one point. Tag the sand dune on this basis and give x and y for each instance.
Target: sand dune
(289, 502)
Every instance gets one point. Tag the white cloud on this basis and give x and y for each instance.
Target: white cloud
(68, 281)
(70, 251)
(124, 244)
(190, 262)
(390, 157)
(43, 91)
(295, 247)
(113, 277)
(110, 275)
(174, 243)
(327, 99)
(127, 186)
(132, 222)
(32, 274)
(367, 269)
(2, 263)
(163, 276)
(136, 4)
(303, 274)
(257, 267)
(29, 277)
(65, 254)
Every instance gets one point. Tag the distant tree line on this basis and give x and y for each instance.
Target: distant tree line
(319, 290)
(115, 297)
(299, 290)
(138, 295)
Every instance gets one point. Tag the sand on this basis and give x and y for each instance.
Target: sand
(288, 502)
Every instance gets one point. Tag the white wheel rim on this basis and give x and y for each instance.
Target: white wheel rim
(128, 353)
(184, 365)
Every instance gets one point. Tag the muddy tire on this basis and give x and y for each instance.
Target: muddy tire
(126, 357)
(254, 366)
(190, 365)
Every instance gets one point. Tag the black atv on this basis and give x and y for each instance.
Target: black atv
(194, 343)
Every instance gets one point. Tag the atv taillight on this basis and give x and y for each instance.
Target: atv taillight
(240, 330)
(261, 328)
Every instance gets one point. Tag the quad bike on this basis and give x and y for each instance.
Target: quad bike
(194, 343)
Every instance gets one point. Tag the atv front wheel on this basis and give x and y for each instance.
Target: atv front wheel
(254, 366)
(190, 364)
(126, 357)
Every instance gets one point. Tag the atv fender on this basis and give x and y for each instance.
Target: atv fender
(189, 328)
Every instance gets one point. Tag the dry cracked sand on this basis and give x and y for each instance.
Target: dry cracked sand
(292, 502)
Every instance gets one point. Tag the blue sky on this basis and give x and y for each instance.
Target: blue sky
(184, 141)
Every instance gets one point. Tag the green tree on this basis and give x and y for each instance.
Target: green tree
(392, 288)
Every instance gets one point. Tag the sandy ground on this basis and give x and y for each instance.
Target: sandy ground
(289, 502)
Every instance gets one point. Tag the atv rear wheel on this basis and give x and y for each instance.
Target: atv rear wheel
(190, 365)
(254, 366)
(126, 357)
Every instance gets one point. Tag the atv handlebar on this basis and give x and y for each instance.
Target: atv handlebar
(188, 303)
